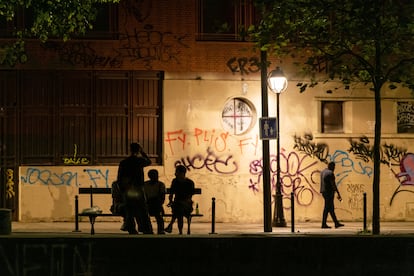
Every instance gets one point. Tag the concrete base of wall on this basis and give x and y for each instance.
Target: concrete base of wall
(211, 255)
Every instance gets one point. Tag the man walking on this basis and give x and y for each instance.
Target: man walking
(328, 189)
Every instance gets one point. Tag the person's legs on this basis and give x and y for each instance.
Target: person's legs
(168, 229)
(330, 209)
(333, 215)
(326, 209)
(144, 223)
(121, 209)
(175, 213)
(160, 224)
(188, 224)
(130, 219)
(180, 222)
(143, 219)
(128, 209)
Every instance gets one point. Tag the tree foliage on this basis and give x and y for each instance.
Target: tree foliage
(58, 19)
(368, 41)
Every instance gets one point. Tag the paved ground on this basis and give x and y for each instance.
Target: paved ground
(51, 249)
(306, 228)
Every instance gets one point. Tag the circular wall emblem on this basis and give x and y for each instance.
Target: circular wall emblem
(238, 116)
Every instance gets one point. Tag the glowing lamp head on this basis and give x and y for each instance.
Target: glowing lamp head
(277, 80)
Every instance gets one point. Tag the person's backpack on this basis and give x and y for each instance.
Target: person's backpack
(116, 198)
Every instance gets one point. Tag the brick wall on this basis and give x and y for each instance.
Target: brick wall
(157, 35)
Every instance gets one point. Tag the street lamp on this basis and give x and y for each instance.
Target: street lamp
(267, 197)
(278, 83)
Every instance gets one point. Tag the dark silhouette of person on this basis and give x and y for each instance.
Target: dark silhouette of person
(131, 184)
(180, 200)
(118, 205)
(155, 194)
(328, 189)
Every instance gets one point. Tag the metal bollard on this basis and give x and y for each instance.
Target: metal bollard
(76, 214)
(365, 212)
(5, 221)
(213, 215)
(292, 214)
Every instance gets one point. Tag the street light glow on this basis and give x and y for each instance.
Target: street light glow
(277, 81)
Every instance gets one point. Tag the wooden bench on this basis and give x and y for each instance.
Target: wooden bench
(91, 191)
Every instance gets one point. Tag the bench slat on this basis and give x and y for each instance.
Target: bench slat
(193, 215)
(197, 191)
(101, 190)
(95, 190)
(98, 215)
(117, 215)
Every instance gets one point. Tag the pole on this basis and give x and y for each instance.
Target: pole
(267, 197)
(213, 215)
(365, 211)
(292, 214)
(76, 214)
(3, 180)
(278, 216)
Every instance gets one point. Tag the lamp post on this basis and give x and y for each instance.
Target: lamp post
(278, 83)
(267, 197)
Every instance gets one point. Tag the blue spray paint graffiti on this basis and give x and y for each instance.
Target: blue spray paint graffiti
(95, 177)
(47, 177)
(347, 165)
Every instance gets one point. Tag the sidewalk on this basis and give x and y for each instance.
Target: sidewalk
(197, 228)
(53, 248)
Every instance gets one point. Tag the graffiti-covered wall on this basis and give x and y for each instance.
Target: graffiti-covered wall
(211, 110)
(211, 127)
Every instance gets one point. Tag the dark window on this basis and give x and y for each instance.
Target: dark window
(146, 112)
(112, 116)
(405, 117)
(81, 118)
(332, 117)
(228, 20)
(6, 27)
(106, 23)
(37, 123)
(75, 118)
(8, 118)
(21, 19)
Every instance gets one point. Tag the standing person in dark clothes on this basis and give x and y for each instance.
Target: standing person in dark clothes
(328, 189)
(180, 199)
(155, 194)
(131, 184)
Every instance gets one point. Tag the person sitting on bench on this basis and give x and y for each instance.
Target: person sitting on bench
(155, 194)
(180, 199)
(118, 206)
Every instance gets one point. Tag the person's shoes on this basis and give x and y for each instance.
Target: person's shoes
(168, 229)
(337, 225)
(161, 233)
(133, 232)
(325, 226)
(124, 227)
